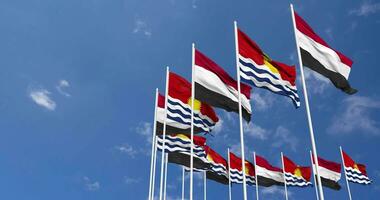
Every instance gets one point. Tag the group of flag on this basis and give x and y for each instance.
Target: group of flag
(186, 103)
(259, 171)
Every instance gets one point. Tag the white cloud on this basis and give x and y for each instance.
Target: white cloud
(194, 4)
(329, 33)
(256, 131)
(91, 185)
(41, 97)
(283, 137)
(145, 129)
(142, 28)
(275, 190)
(356, 116)
(262, 101)
(218, 127)
(62, 84)
(127, 149)
(366, 8)
(130, 180)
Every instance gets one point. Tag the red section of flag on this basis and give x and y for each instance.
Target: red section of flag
(161, 101)
(330, 165)
(349, 162)
(203, 61)
(262, 162)
(216, 158)
(249, 49)
(291, 167)
(180, 88)
(304, 28)
(235, 163)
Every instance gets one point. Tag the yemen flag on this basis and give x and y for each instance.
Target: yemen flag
(218, 166)
(259, 70)
(172, 126)
(181, 143)
(216, 87)
(355, 172)
(236, 173)
(329, 172)
(296, 175)
(320, 57)
(179, 106)
(268, 175)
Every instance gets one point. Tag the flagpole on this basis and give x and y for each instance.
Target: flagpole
(164, 133)
(307, 107)
(283, 172)
(204, 185)
(256, 180)
(183, 183)
(154, 165)
(229, 175)
(166, 174)
(240, 112)
(315, 181)
(345, 174)
(151, 183)
(192, 120)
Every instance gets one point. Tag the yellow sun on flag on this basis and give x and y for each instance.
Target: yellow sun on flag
(246, 168)
(209, 158)
(269, 65)
(298, 173)
(356, 166)
(197, 104)
(182, 136)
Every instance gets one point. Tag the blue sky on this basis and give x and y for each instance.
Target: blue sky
(77, 88)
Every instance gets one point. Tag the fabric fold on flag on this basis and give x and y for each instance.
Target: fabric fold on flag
(218, 166)
(330, 173)
(355, 172)
(319, 56)
(213, 85)
(268, 175)
(259, 70)
(296, 175)
(236, 172)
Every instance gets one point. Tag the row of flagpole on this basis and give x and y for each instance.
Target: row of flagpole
(162, 192)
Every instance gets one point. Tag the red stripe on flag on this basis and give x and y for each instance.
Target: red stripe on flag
(330, 165)
(349, 162)
(216, 158)
(306, 29)
(203, 61)
(161, 101)
(291, 167)
(235, 163)
(260, 161)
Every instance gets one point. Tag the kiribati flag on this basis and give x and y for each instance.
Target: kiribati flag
(236, 173)
(179, 106)
(320, 57)
(268, 175)
(296, 175)
(355, 172)
(259, 70)
(181, 143)
(216, 87)
(218, 166)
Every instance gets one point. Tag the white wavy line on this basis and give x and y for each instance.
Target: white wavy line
(358, 181)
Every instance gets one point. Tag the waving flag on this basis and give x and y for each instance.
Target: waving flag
(296, 175)
(329, 172)
(216, 87)
(258, 69)
(181, 143)
(236, 173)
(218, 166)
(355, 172)
(268, 175)
(179, 106)
(320, 57)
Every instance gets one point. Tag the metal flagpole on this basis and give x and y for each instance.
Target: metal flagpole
(166, 174)
(240, 112)
(164, 133)
(345, 174)
(152, 161)
(256, 180)
(204, 185)
(192, 120)
(154, 165)
(307, 107)
(283, 172)
(183, 183)
(229, 176)
(315, 181)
